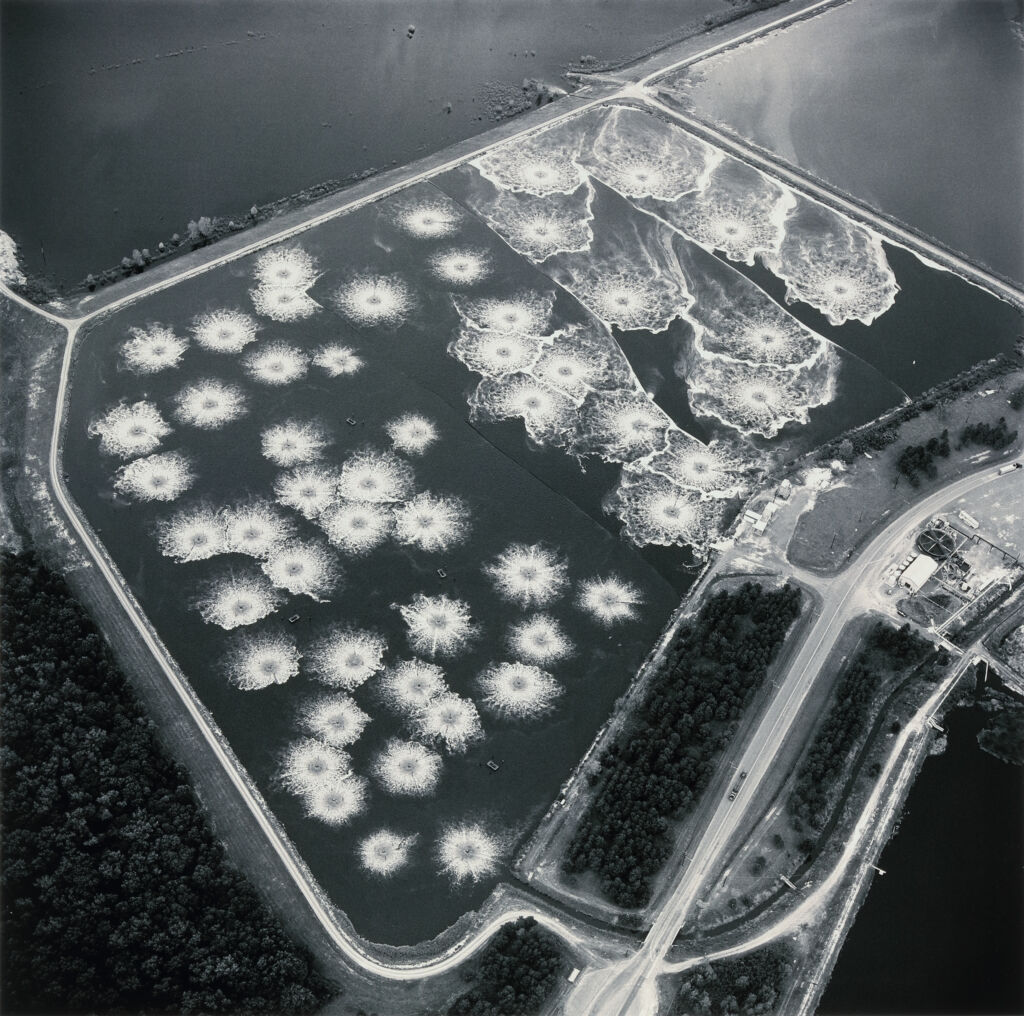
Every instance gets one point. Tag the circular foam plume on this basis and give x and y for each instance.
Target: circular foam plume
(225, 331)
(303, 568)
(129, 430)
(385, 852)
(539, 640)
(209, 404)
(336, 802)
(688, 463)
(357, 527)
(257, 529)
(654, 510)
(310, 490)
(438, 625)
(310, 764)
(609, 600)
(276, 364)
(449, 720)
(281, 304)
(293, 442)
(537, 165)
(336, 360)
(524, 314)
(152, 348)
(346, 657)
(518, 690)
(375, 300)
(288, 267)
(494, 354)
(429, 220)
(193, 535)
(161, 477)
(408, 768)
(621, 426)
(567, 372)
(529, 575)
(432, 523)
(468, 851)
(550, 416)
(335, 720)
(461, 267)
(238, 600)
(258, 661)
(411, 685)
(411, 433)
(376, 476)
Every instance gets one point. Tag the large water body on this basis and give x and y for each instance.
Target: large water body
(914, 107)
(942, 931)
(123, 119)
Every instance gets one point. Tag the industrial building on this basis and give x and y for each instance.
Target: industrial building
(918, 572)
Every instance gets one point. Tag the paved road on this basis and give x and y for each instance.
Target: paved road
(628, 989)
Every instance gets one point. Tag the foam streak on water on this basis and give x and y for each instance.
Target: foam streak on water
(518, 690)
(209, 404)
(303, 568)
(260, 660)
(384, 852)
(335, 719)
(129, 430)
(609, 600)
(438, 625)
(468, 851)
(257, 529)
(431, 523)
(408, 769)
(375, 300)
(337, 360)
(376, 476)
(450, 721)
(411, 433)
(193, 535)
(238, 599)
(530, 575)
(293, 442)
(225, 331)
(411, 685)
(310, 490)
(276, 363)
(346, 657)
(161, 477)
(357, 527)
(539, 640)
(152, 348)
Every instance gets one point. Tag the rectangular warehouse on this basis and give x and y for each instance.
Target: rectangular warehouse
(918, 572)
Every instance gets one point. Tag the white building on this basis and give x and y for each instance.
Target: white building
(918, 572)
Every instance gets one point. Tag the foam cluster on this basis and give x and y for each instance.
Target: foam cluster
(462, 266)
(337, 360)
(408, 768)
(426, 218)
(309, 490)
(431, 523)
(621, 426)
(710, 468)
(543, 164)
(438, 625)
(357, 527)
(260, 660)
(526, 313)
(450, 721)
(256, 529)
(293, 442)
(411, 433)
(540, 640)
(303, 568)
(518, 690)
(309, 764)
(335, 719)
(411, 685)
(336, 802)
(346, 657)
(276, 363)
(549, 415)
(609, 600)
(130, 429)
(384, 853)
(654, 510)
(152, 348)
(209, 404)
(376, 476)
(530, 575)
(468, 851)
(283, 276)
(225, 331)
(375, 300)
(161, 477)
(237, 600)
(493, 353)
(192, 535)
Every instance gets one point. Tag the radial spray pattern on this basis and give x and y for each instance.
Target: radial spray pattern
(209, 404)
(260, 660)
(161, 477)
(530, 575)
(192, 535)
(710, 468)
(276, 363)
(256, 528)
(335, 719)
(225, 331)
(310, 490)
(468, 851)
(438, 625)
(411, 685)
(535, 227)
(385, 852)
(357, 527)
(408, 768)
(450, 721)
(654, 510)
(540, 640)
(525, 313)
(376, 476)
(621, 426)
(303, 568)
(518, 690)
(309, 763)
(346, 657)
(549, 415)
(432, 523)
(427, 218)
(542, 164)
(834, 265)
(130, 429)
(337, 360)
(579, 360)
(609, 600)
(281, 303)
(461, 266)
(293, 442)
(336, 802)
(494, 354)
(640, 155)
(411, 433)
(375, 300)
(238, 599)
(283, 275)
(152, 348)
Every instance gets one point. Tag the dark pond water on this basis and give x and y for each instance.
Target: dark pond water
(123, 119)
(942, 931)
(916, 107)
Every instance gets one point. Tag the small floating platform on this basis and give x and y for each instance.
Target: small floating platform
(294, 618)
(441, 573)
(351, 421)
(492, 765)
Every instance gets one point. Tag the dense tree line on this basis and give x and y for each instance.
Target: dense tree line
(517, 973)
(991, 435)
(116, 897)
(917, 459)
(749, 985)
(887, 649)
(657, 768)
